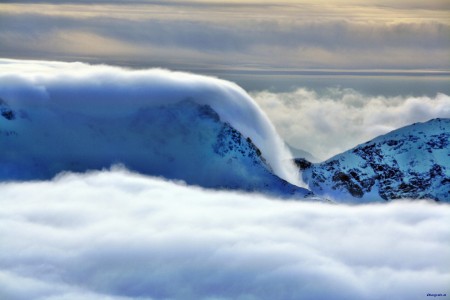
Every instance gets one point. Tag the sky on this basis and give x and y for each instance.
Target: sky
(238, 35)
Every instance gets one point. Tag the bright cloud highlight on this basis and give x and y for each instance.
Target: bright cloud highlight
(334, 121)
(118, 235)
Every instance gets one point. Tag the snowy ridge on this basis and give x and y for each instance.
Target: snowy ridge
(111, 92)
(172, 131)
(410, 162)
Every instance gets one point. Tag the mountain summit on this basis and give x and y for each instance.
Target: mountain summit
(185, 141)
(73, 117)
(410, 162)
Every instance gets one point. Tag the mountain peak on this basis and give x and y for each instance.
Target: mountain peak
(410, 162)
(184, 141)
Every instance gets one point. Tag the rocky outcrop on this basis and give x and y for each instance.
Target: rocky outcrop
(5, 111)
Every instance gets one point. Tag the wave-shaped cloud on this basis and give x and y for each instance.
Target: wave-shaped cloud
(119, 235)
(74, 90)
(331, 122)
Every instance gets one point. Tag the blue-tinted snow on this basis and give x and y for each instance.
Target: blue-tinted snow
(411, 162)
(76, 117)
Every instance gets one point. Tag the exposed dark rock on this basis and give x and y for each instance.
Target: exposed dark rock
(6, 111)
(8, 114)
(343, 180)
(302, 163)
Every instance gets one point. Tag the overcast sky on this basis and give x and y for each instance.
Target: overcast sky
(243, 35)
(296, 49)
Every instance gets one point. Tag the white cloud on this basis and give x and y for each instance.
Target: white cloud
(328, 123)
(117, 235)
(114, 94)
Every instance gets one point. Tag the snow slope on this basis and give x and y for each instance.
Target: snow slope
(411, 162)
(73, 117)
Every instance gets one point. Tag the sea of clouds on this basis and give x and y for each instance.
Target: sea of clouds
(114, 234)
(329, 122)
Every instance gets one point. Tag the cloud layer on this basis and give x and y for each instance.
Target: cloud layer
(249, 35)
(78, 113)
(330, 122)
(118, 235)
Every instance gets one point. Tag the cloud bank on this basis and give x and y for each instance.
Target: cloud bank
(78, 104)
(209, 34)
(330, 122)
(118, 235)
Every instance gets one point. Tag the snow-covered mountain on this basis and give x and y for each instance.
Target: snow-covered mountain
(185, 141)
(201, 130)
(410, 162)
